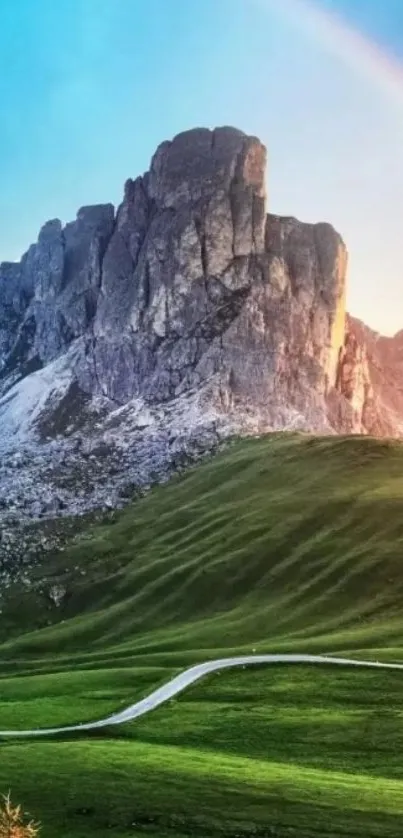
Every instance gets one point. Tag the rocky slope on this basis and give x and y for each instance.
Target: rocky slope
(133, 342)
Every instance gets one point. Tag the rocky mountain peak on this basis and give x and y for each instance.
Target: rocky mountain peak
(132, 341)
(199, 163)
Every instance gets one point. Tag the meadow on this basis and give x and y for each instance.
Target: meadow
(280, 544)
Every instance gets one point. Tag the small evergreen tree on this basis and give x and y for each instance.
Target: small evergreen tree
(14, 822)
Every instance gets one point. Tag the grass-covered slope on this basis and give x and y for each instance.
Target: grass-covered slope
(277, 544)
(278, 541)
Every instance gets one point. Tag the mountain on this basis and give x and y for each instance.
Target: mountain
(133, 342)
(130, 345)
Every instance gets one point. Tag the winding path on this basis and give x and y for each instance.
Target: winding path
(189, 676)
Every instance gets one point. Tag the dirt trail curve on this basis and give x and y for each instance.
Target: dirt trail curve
(189, 676)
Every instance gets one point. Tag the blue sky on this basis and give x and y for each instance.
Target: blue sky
(88, 88)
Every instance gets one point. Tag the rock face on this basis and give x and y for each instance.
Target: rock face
(371, 379)
(189, 315)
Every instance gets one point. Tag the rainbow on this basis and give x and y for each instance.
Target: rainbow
(345, 42)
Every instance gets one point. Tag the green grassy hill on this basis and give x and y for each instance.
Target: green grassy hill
(284, 543)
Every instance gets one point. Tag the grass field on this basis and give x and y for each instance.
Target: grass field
(284, 543)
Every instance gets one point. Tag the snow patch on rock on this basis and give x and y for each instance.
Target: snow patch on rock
(23, 405)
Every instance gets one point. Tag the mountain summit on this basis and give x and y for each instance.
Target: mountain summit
(133, 341)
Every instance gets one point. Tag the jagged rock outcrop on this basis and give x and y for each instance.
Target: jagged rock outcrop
(372, 379)
(189, 315)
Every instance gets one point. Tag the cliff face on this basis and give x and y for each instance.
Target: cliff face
(371, 379)
(189, 315)
(191, 284)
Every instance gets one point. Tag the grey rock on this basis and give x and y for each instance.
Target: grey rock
(14, 300)
(50, 298)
